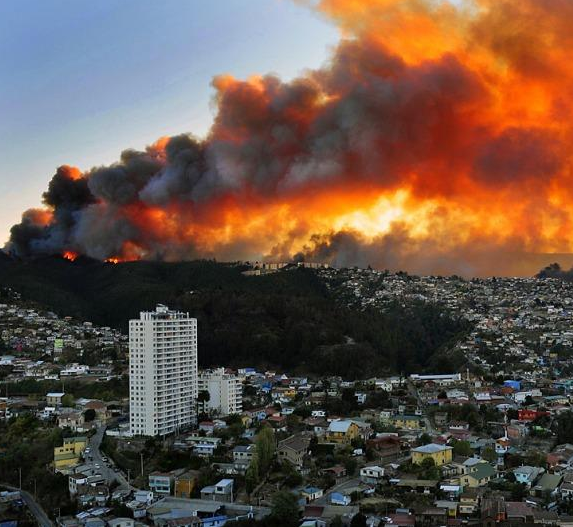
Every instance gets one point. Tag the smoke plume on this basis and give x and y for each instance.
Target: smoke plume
(437, 139)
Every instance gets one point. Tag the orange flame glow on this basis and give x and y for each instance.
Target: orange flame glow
(437, 139)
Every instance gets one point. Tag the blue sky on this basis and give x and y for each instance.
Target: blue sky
(83, 80)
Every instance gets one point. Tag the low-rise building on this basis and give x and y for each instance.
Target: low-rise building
(311, 493)
(527, 475)
(222, 491)
(185, 484)
(54, 398)
(294, 449)
(243, 453)
(342, 431)
(440, 454)
(478, 476)
(68, 455)
(410, 422)
(160, 483)
(371, 475)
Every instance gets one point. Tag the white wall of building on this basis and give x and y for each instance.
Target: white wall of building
(162, 371)
(225, 391)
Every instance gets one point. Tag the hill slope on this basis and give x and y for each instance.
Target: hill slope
(285, 320)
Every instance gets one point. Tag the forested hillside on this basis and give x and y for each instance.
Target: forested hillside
(285, 320)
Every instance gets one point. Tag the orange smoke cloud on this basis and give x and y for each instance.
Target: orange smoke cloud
(437, 140)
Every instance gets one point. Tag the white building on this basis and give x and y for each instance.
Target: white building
(74, 369)
(372, 474)
(162, 371)
(225, 392)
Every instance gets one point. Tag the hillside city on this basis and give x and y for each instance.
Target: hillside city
(99, 427)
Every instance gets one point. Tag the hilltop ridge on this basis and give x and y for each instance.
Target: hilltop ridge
(290, 320)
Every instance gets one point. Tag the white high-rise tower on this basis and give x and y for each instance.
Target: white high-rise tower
(162, 371)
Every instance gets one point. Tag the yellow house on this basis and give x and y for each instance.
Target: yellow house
(185, 484)
(441, 454)
(342, 432)
(478, 476)
(412, 422)
(69, 453)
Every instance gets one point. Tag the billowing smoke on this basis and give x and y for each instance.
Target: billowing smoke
(438, 139)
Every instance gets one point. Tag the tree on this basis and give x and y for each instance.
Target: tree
(462, 448)
(565, 427)
(293, 422)
(430, 471)
(488, 453)
(285, 508)
(202, 397)
(427, 463)
(358, 520)
(350, 464)
(326, 386)
(265, 449)
(252, 474)
(511, 413)
(425, 439)
(336, 522)
(518, 491)
(68, 400)
(89, 415)
(348, 397)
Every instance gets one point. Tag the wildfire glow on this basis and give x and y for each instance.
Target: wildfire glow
(70, 255)
(437, 139)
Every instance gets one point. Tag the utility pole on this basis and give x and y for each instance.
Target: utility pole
(141, 457)
(20, 477)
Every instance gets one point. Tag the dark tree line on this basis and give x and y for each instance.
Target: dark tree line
(286, 320)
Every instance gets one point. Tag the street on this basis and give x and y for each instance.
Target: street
(346, 487)
(34, 507)
(429, 429)
(106, 469)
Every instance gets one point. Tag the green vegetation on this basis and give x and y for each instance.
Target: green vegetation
(359, 520)
(461, 448)
(265, 449)
(107, 390)
(285, 508)
(564, 427)
(287, 320)
(27, 448)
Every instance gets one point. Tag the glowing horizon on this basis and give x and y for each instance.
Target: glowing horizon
(435, 140)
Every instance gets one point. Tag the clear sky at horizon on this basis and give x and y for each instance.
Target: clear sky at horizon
(81, 81)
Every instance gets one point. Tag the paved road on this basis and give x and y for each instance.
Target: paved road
(344, 488)
(197, 504)
(106, 469)
(414, 393)
(35, 508)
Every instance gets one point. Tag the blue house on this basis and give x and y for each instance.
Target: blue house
(337, 498)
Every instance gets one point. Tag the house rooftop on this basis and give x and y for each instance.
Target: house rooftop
(339, 426)
(431, 448)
